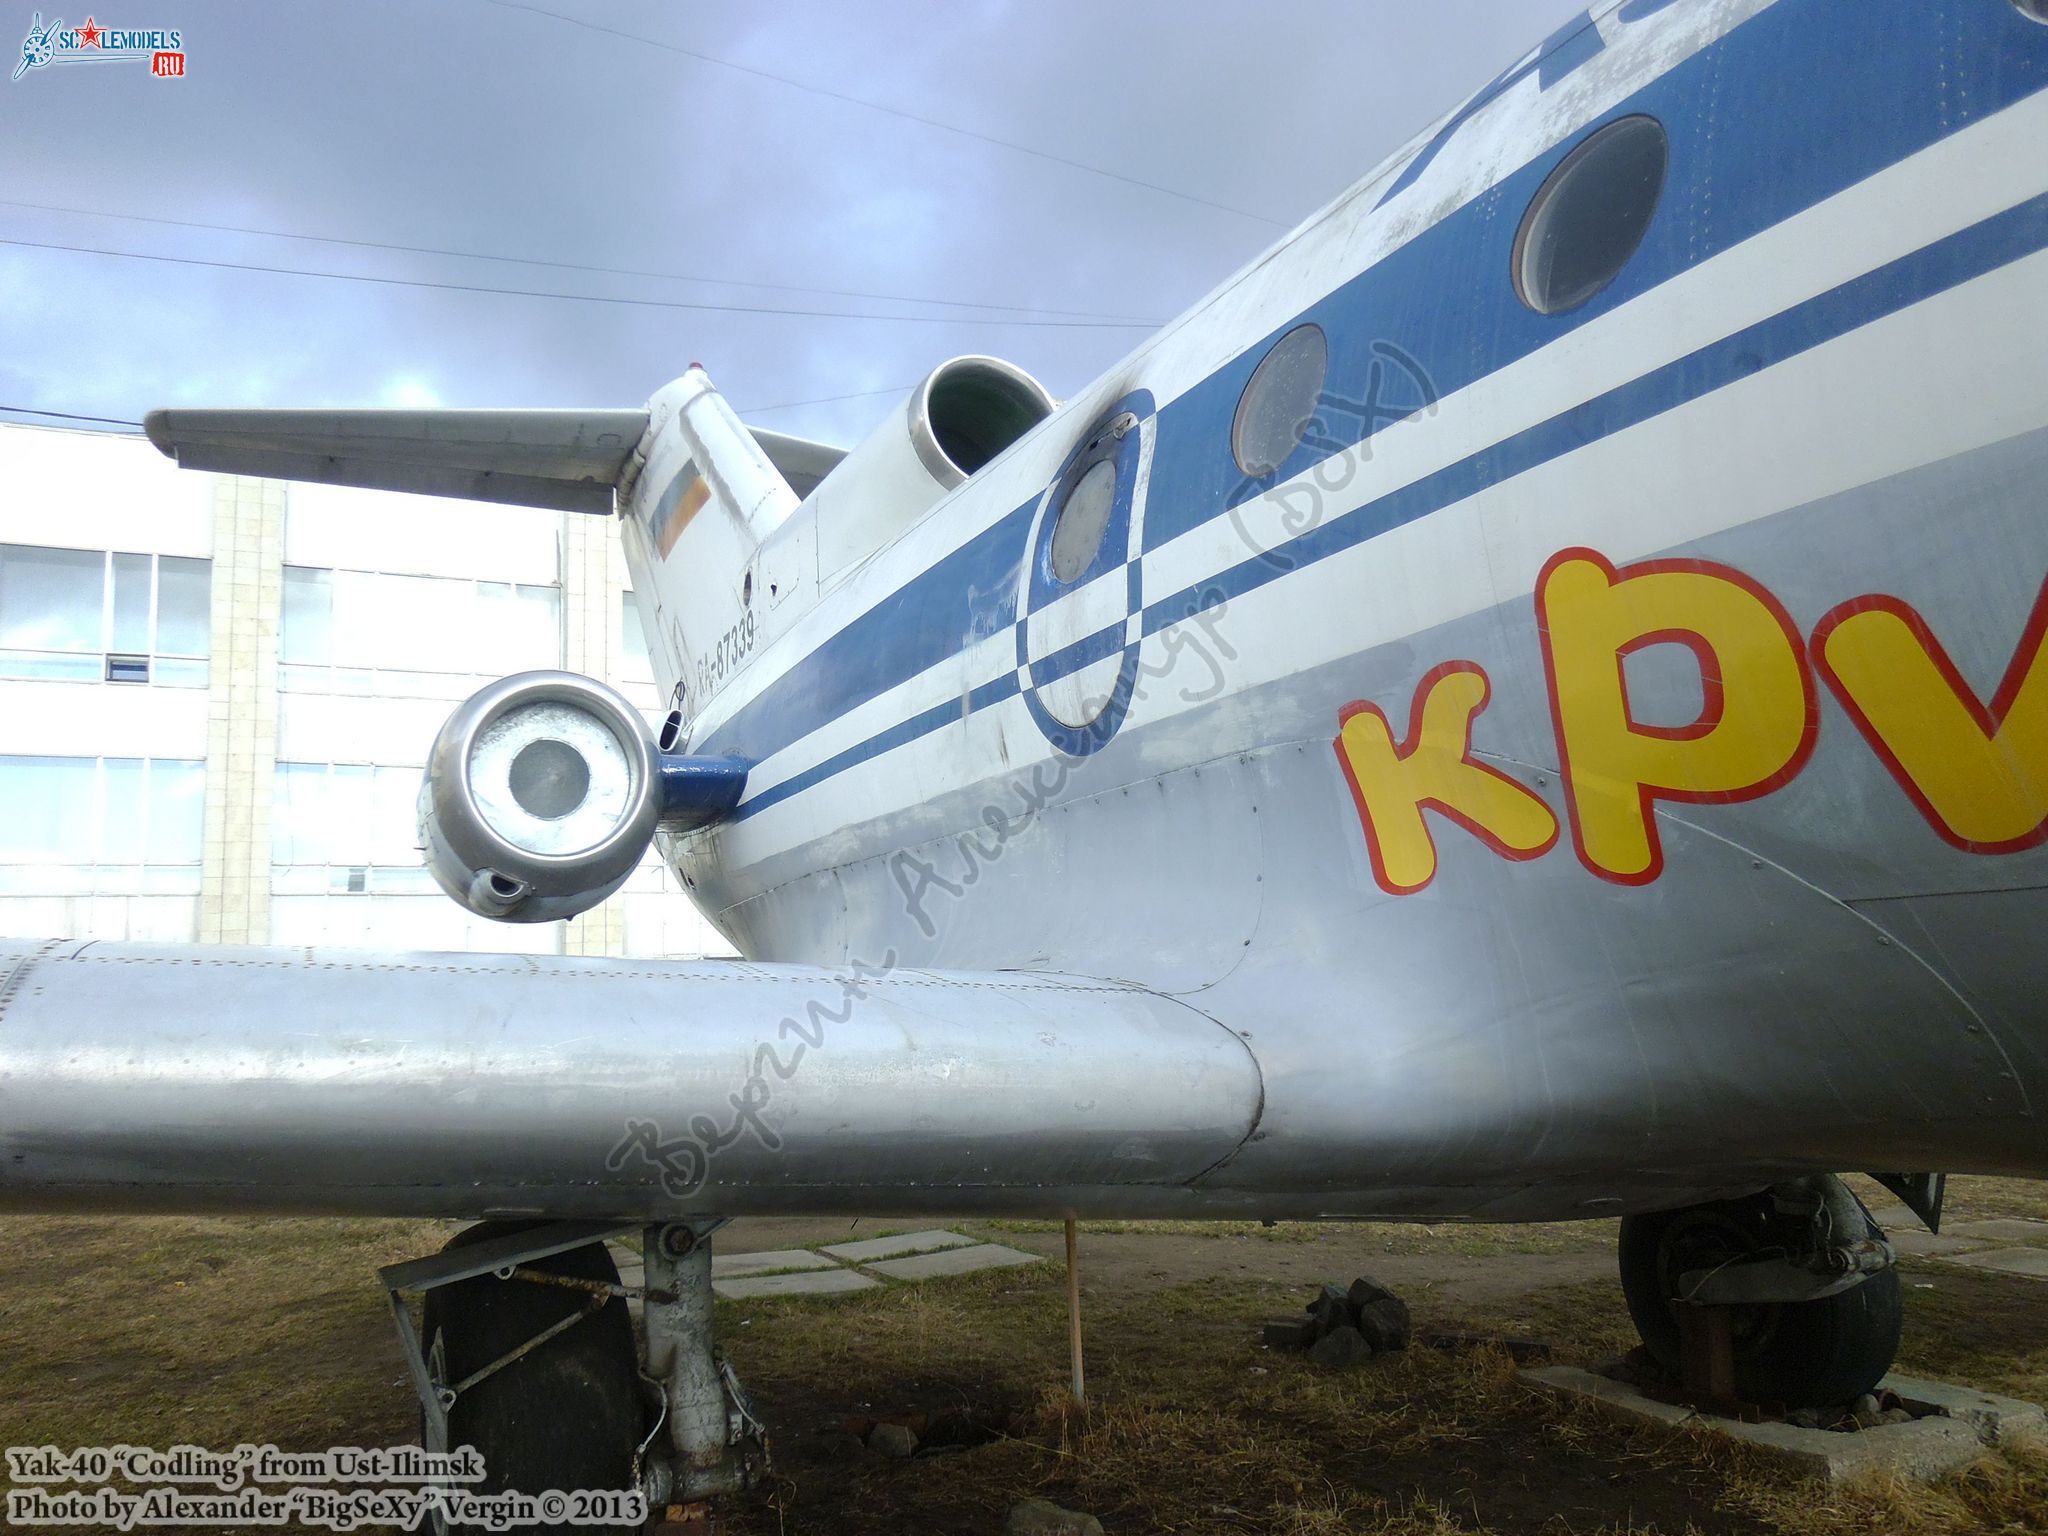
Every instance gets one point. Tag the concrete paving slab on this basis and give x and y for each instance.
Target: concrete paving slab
(1927, 1448)
(1925, 1244)
(811, 1282)
(953, 1261)
(902, 1243)
(731, 1266)
(2031, 1262)
(2003, 1229)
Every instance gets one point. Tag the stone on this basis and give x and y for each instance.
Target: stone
(1364, 1292)
(1866, 1406)
(953, 1261)
(1339, 1349)
(1330, 1310)
(892, 1440)
(732, 1266)
(872, 1248)
(1932, 1446)
(1042, 1517)
(2032, 1262)
(815, 1282)
(1385, 1324)
(1292, 1332)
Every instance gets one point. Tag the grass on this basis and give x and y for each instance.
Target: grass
(215, 1332)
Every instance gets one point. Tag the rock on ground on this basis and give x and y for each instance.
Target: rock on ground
(1042, 1517)
(1386, 1324)
(892, 1440)
(1341, 1347)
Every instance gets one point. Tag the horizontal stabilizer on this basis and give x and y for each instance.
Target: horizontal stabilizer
(801, 462)
(567, 460)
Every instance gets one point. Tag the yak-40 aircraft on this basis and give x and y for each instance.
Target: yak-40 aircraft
(1528, 702)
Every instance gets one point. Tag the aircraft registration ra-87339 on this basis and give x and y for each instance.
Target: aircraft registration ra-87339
(1528, 702)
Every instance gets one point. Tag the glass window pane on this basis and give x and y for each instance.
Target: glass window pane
(50, 598)
(130, 611)
(536, 638)
(308, 616)
(351, 813)
(124, 809)
(177, 812)
(298, 814)
(184, 606)
(50, 813)
(48, 664)
(393, 831)
(633, 658)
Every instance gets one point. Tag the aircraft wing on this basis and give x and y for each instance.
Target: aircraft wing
(151, 1079)
(568, 460)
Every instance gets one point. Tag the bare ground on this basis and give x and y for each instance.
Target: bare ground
(217, 1332)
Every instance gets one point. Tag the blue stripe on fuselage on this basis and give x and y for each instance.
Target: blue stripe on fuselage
(1802, 101)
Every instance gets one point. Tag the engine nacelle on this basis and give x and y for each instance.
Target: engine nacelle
(542, 794)
(965, 413)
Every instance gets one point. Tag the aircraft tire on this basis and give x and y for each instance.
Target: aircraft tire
(1808, 1354)
(564, 1417)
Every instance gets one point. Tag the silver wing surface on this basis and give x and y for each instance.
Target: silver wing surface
(137, 1078)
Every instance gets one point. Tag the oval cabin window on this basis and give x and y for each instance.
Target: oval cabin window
(1589, 217)
(1280, 400)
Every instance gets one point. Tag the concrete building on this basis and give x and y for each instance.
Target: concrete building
(217, 693)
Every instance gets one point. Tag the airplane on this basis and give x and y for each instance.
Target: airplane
(1526, 703)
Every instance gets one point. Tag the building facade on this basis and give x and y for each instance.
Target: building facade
(217, 695)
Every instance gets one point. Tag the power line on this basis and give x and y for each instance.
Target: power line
(876, 106)
(578, 298)
(29, 410)
(566, 266)
(790, 405)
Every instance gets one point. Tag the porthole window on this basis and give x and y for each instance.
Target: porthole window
(1279, 401)
(2033, 10)
(1083, 519)
(1590, 216)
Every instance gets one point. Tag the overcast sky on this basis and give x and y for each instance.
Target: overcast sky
(495, 127)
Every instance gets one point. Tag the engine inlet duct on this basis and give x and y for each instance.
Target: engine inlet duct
(542, 794)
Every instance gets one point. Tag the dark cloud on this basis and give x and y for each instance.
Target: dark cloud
(489, 127)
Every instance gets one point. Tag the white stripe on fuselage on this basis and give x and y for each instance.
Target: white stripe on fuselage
(1952, 185)
(1332, 248)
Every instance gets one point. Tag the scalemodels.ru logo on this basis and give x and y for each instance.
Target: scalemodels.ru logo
(163, 49)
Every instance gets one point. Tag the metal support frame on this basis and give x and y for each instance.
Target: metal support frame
(715, 1442)
(501, 1256)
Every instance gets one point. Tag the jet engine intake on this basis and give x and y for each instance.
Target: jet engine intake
(542, 794)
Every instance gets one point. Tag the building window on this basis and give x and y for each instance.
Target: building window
(345, 827)
(101, 826)
(372, 632)
(86, 615)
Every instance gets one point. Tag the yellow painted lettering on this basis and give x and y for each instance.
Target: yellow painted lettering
(1394, 783)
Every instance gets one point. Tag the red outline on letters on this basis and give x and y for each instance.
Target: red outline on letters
(1989, 719)
(1710, 717)
(1405, 748)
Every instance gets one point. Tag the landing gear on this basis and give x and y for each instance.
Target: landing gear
(526, 1353)
(1802, 1274)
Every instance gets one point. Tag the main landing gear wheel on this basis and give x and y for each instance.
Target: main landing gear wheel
(1803, 1354)
(564, 1416)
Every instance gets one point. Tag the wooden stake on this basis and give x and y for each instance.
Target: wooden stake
(1074, 1309)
